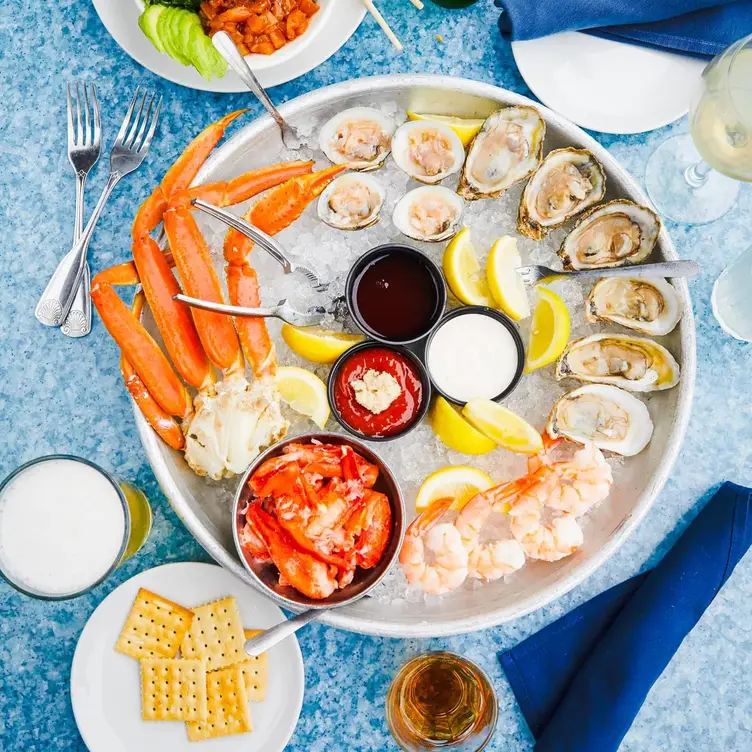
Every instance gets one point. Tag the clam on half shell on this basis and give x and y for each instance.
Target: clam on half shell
(506, 150)
(635, 363)
(352, 201)
(567, 182)
(614, 234)
(614, 420)
(360, 137)
(430, 213)
(650, 306)
(427, 150)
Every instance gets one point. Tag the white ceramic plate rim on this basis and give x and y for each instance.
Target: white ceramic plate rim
(159, 579)
(452, 626)
(530, 57)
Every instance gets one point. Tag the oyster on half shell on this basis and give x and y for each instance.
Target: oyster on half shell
(359, 137)
(635, 363)
(567, 182)
(352, 201)
(427, 150)
(506, 150)
(614, 420)
(650, 306)
(614, 234)
(430, 213)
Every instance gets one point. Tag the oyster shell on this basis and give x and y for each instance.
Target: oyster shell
(430, 213)
(634, 363)
(614, 420)
(506, 150)
(617, 233)
(359, 137)
(650, 306)
(351, 202)
(427, 150)
(567, 182)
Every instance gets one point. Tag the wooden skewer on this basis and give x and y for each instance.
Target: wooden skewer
(417, 4)
(374, 11)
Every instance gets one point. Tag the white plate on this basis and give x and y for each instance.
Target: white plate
(608, 86)
(330, 28)
(106, 686)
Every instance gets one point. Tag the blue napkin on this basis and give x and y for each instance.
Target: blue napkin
(696, 27)
(581, 680)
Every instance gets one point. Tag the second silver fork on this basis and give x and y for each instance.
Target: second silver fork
(84, 148)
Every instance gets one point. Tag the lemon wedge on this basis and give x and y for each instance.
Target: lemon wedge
(549, 332)
(458, 482)
(506, 428)
(463, 272)
(304, 392)
(456, 432)
(318, 345)
(465, 128)
(506, 285)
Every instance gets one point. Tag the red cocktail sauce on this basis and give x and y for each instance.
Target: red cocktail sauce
(400, 414)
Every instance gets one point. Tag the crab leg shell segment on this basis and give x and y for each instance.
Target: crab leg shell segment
(243, 187)
(180, 175)
(200, 280)
(165, 425)
(173, 319)
(138, 346)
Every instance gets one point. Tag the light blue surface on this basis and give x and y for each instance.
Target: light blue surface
(59, 395)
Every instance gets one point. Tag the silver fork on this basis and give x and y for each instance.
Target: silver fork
(267, 242)
(84, 147)
(535, 273)
(127, 153)
(283, 310)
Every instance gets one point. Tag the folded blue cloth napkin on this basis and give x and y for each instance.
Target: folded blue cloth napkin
(581, 680)
(696, 27)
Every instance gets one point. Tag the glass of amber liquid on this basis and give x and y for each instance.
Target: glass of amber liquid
(441, 700)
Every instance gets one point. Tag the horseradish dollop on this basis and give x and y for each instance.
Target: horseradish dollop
(376, 390)
(472, 355)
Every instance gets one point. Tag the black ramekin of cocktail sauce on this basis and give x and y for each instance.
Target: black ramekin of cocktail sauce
(396, 294)
(511, 328)
(335, 384)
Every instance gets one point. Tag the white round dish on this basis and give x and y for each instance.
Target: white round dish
(106, 686)
(605, 85)
(205, 507)
(330, 28)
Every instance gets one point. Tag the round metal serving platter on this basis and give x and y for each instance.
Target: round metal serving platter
(206, 508)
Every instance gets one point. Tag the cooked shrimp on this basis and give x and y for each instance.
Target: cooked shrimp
(550, 541)
(582, 481)
(432, 556)
(494, 558)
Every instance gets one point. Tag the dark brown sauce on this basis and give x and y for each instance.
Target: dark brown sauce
(396, 295)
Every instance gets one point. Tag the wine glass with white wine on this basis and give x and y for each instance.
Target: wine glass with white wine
(694, 178)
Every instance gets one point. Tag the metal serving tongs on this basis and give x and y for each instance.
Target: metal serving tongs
(283, 310)
(264, 241)
(223, 43)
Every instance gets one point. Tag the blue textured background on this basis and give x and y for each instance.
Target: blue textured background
(59, 395)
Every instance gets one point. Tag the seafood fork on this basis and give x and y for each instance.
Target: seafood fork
(127, 153)
(267, 242)
(534, 273)
(283, 310)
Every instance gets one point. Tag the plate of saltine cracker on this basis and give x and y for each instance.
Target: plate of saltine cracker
(160, 666)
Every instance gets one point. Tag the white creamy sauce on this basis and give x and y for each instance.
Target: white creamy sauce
(472, 355)
(61, 527)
